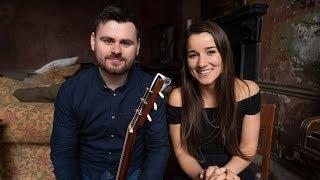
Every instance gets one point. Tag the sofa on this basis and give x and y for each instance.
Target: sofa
(25, 127)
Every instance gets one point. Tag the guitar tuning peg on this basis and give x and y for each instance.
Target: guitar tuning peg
(161, 95)
(155, 107)
(130, 129)
(149, 118)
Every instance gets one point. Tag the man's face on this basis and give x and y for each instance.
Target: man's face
(116, 45)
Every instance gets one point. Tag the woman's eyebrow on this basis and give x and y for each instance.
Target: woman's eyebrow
(192, 51)
(210, 47)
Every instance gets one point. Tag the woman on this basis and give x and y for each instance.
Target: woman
(214, 116)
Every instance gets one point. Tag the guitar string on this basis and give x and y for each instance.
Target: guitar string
(132, 124)
(135, 117)
(141, 105)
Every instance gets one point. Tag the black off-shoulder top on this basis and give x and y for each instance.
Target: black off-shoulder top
(211, 151)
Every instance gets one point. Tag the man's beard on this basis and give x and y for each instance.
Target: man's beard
(116, 70)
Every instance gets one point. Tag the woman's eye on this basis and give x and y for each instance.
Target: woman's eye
(211, 52)
(192, 56)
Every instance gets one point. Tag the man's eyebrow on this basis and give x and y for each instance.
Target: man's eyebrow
(126, 41)
(105, 37)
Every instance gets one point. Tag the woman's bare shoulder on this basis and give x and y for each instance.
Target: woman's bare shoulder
(245, 89)
(175, 97)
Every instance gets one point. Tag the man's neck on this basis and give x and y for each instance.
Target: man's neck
(111, 80)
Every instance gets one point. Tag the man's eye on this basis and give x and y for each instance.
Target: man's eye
(108, 41)
(125, 43)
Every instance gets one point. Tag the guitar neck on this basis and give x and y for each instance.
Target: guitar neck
(142, 112)
(126, 155)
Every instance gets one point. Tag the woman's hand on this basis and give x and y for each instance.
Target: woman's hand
(231, 175)
(213, 173)
(216, 173)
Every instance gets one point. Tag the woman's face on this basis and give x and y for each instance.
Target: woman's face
(204, 59)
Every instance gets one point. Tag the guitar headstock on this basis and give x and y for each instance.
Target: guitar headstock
(159, 83)
(158, 77)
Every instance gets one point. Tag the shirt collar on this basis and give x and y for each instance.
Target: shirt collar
(128, 82)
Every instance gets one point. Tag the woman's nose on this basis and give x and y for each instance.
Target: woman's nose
(202, 62)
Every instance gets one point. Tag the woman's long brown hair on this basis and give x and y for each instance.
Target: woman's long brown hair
(192, 103)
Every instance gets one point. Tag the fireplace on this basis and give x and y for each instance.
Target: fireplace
(243, 27)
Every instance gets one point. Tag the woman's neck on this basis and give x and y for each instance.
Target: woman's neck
(208, 94)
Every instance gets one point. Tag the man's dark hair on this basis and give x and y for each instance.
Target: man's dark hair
(120, 15)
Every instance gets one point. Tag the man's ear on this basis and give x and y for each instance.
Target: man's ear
(138, 46)
(92, 40)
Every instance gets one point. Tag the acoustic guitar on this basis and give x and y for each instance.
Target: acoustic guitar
(159, 83)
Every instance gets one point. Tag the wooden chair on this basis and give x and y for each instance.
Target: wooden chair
(267, 114)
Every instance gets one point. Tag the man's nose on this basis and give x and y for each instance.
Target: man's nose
(116, 48)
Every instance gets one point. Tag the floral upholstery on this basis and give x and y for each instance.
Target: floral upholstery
(7, 87)
(54, 76)
(25, 136)
(25, 128)
(25, 161)
(27, 122)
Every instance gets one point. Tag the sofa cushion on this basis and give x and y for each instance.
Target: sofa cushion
(7, 87)
(27, 122)
(56, 64)
(37, 94)
(53, 76)
(25, 161)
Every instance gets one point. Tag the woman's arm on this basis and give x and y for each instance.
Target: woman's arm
(248, 143)
(188, 163)
(250, 129)
(248, 146)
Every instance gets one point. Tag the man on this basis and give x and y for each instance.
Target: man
(94, 108)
